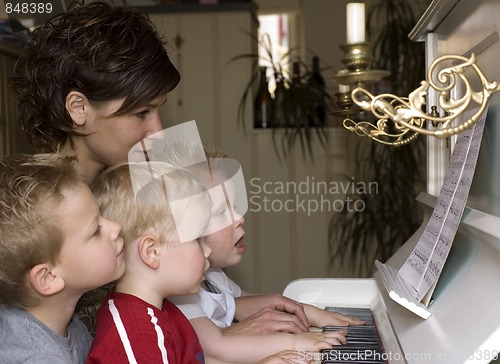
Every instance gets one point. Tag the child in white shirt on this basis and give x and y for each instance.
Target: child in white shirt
(214, 309)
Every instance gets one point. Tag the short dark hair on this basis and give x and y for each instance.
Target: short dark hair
(105, 52)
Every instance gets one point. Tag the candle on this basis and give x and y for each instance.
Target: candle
(355, 23)
(343, 89)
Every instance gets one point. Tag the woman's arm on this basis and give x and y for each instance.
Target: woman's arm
(288, 315)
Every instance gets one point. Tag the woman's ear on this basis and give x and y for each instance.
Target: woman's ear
(149, 251)
(77, 106)
(44, 281)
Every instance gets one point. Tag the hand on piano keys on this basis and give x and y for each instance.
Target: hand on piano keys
(363, 344)
(320, 318)
(264, 314)
(316, 341)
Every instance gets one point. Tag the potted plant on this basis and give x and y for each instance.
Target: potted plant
(299, 104)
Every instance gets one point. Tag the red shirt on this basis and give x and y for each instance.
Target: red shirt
(129, 330)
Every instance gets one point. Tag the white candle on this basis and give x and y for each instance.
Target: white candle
(344, 88)
(355, 15)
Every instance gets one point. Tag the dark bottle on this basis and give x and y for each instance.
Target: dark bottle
(279, 102)
(317, 85)
(296, 81)
(263, 105)
(297, 100)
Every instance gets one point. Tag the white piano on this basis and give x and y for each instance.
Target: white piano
(464, 326)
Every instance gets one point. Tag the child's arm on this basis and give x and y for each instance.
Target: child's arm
(319, 318)
(288, 356)
(283, 357)
(252, 348)
(279, 313)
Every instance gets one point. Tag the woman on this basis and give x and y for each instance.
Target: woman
(90, 84)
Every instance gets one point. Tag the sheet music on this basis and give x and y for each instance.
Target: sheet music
(425, 263)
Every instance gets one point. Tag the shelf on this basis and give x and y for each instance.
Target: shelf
(199, 8)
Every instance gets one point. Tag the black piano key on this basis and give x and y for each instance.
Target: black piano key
(362, 340)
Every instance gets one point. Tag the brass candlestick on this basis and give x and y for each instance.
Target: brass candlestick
(357, 59)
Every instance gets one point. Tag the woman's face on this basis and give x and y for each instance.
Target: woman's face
(111, 137)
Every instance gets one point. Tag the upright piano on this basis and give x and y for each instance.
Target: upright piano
(464, 325)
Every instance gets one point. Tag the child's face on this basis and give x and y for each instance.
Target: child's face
(227, 243)
(184, 263)
(184, 266)
(124, 130)
(92, 251)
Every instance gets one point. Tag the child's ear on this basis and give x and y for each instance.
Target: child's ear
(43, 281)
(76, 104)
(149, 251)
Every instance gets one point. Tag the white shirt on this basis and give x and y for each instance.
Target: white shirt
(218, 307)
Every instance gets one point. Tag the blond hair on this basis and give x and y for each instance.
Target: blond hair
(141, 204)
(32, 186)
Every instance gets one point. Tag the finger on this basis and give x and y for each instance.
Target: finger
(336, 336)
(295, 308)
(287, 321)
(286, 326)
(299, 361)
(293, 356)
(355, 321)
(348, 319)
(322, 345)
(328, 341)
(268, 321)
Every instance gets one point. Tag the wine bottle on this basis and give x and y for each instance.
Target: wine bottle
(279, 102)
(317, 85)
(296, 81)
(263, 105)
(297, 97)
